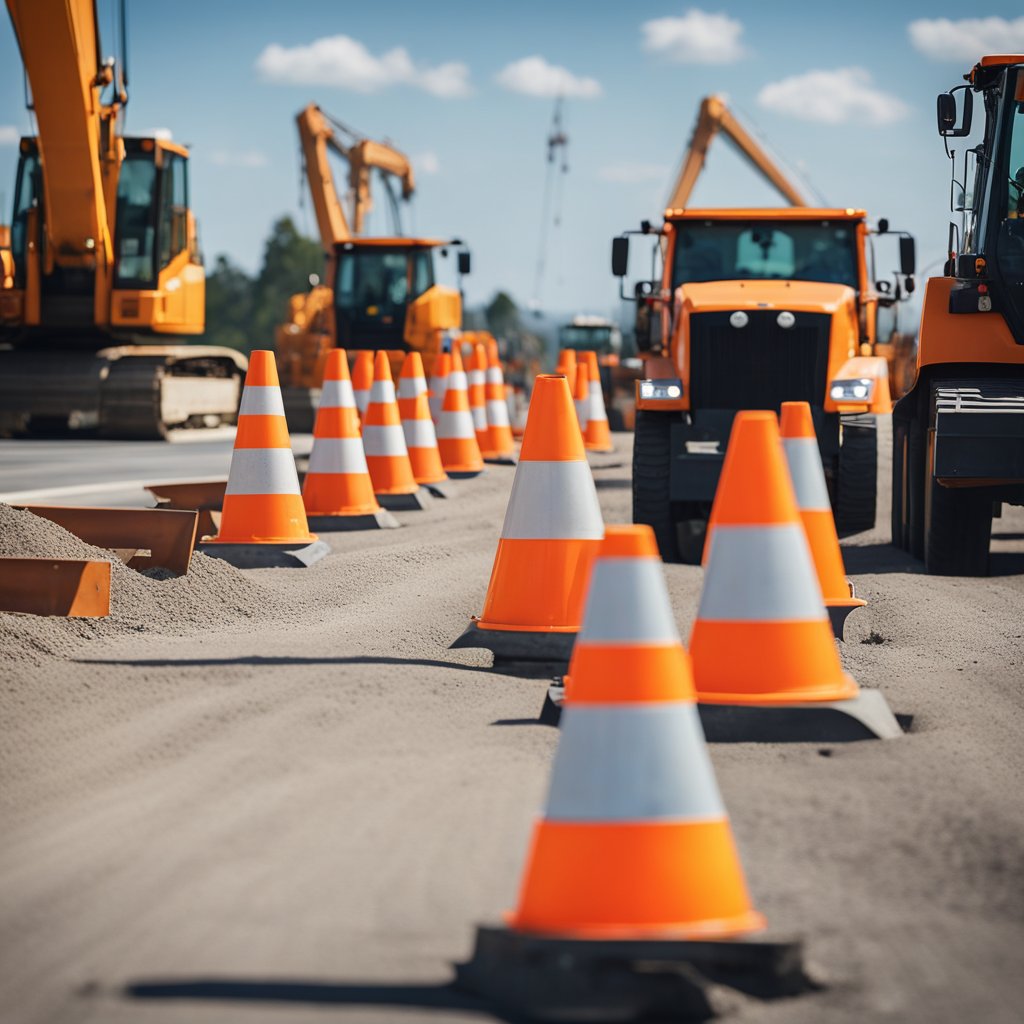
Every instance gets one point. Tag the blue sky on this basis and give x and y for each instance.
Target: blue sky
(479, 144)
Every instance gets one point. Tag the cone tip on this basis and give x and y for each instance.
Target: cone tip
(796, 420)
(628, 541)
(381, 366)
(336, 367)
(262, 369)
(412, 365)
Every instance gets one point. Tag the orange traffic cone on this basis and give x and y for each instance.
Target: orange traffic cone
(337, 491)
(477, 380)
(498, 423)
(362, 380)
(263, 521)
(439, 384)
(804, 459)
(635, 840)
(597, 436)
(384, 443)
(567, 363)
(581, 397)
(552, 530)
(420, 438)
(456, 438)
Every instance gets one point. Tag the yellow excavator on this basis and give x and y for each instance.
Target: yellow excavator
(755, 307)
(101, 258)
(378, 292)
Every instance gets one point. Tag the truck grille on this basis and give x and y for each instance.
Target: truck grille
(758, 366)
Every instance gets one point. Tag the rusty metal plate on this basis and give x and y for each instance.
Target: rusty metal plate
(79, 588)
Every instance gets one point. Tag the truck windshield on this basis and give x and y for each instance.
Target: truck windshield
(586, 339)
(787, 250)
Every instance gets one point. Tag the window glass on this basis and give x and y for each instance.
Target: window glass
(27, 189)
(785, 250)
(373, 285)
(423, 272)
(173, 209)
(585, 338)
(135, 227)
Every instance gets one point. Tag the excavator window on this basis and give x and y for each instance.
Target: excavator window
(135, 227)
(173, 208)
(26, 192)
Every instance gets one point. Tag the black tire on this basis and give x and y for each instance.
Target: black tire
(857, 476)
(898, 521)
(957, 531)
(917, 476)
(652, 502)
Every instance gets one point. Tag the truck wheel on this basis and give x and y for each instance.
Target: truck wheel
(957, 531)
(652, 503)
(856, 476)
(898, 516)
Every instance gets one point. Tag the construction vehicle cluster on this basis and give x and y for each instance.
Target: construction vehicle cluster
(766, 353)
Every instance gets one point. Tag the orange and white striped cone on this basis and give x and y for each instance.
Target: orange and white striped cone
(263, 521)
(439, 384)
(337, 492)
(456, 437)
(362, 380)
(634, 840)
(581, 397)
(387, 457)
(551, 533)
(597, 436)
(567, 363)
(476, 378)
(804, 459)
(420, 437)
(762, 636)
(498, 422)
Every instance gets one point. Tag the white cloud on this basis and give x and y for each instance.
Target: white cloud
(534, 76)
(346, 63)
(695, 38)
(9, 135)
(633, 173)
(966, 39)
(231, 158)
(832, 97)
(427, 163)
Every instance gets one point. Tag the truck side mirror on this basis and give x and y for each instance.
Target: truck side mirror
(908, 257)
(464, 261)
(620, 256)
(945, 113)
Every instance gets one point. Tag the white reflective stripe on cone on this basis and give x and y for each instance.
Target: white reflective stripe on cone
(582, 411)
(457, 424)
(261, 401)
(337, 455)
(497, 413)
(479, 414)
(760, 574)
(337, 394)
(262, 471)
(435, 403)
(477, 377)
(362, 400)
(389, 440)
(493, 376)
(553, 501)
(597, 410)
(456, 381)
(419, 434)
(804, 458)
(382, 392)
(632, 762)
(411, 387)
(628, 603)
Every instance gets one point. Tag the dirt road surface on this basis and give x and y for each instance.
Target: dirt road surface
(278, 797)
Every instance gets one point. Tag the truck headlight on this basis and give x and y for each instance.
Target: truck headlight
(661, 390)
(860, 389)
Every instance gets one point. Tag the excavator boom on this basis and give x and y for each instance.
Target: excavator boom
(715, 117)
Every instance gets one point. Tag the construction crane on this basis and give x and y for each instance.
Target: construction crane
(378, 292)
(551, 208)
(714, 117)
(103, 256)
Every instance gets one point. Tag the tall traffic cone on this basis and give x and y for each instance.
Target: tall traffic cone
(762, 635)
(362, 380)
(420, 438)
(337, 492)
(476, 380)
(384, 443)
(597, 436)
(263, 521)
(456, 438)
(498, 423)
(439, 384)
(552, 530)
(581, 397)
(804, 460)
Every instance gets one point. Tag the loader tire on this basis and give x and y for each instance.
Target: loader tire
(856, 476)
(652, 504)
(898, 522)
(957, 531)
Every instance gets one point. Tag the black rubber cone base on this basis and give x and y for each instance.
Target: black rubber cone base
(864, 717)
(419, 499)
(837, 615)
(441, 489)
(501, 460)
(563, 979)
(457, 474)
(526, 653)
(267, 556)
(379, 520)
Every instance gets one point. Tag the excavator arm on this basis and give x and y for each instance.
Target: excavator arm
(715, 117)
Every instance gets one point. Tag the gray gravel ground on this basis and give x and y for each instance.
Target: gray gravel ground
(286, 776)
